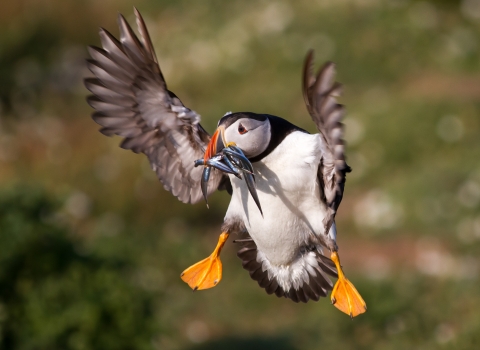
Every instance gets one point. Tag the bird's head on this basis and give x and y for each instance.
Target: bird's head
(250, 132)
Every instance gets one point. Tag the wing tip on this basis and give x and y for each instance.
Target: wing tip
(136, 12)
(123, 26)
(310, 55)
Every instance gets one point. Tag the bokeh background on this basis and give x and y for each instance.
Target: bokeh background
(92, 246)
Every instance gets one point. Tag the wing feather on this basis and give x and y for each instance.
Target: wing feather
(97, 88)
(320, 93)
(102, 58)
(131, 100)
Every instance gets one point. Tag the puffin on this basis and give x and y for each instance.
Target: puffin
(285, 184)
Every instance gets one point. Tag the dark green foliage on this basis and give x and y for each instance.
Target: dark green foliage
(53, 295)
(258, 343)
(26, 57)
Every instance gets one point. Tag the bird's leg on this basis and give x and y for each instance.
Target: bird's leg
(344, 295)
(208, 272)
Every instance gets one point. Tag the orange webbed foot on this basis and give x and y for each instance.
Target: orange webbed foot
(208, 272)
(345, 296)
(204, 274)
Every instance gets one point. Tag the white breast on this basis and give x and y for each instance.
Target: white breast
(288, 191)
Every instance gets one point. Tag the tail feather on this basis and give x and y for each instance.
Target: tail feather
(306, 278)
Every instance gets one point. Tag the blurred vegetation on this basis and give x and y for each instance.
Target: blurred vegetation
(54, 293)
(91, 246)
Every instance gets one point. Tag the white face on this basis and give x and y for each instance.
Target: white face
(250, 135)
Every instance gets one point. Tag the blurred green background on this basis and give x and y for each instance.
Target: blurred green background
(91, 246)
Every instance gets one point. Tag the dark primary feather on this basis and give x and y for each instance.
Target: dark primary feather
(131, 100)
(320, 93)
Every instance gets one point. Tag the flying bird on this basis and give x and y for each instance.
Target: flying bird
(285, 183)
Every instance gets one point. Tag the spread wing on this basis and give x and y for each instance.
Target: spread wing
(131, 100)
(320, 93)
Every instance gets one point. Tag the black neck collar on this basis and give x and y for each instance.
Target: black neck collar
(279, 129)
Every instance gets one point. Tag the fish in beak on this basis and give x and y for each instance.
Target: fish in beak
(214, 157)
(228, 158)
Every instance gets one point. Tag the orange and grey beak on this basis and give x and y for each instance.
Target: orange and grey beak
(228, 158)
(216, 144)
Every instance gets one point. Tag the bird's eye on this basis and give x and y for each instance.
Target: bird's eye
(241, 129)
